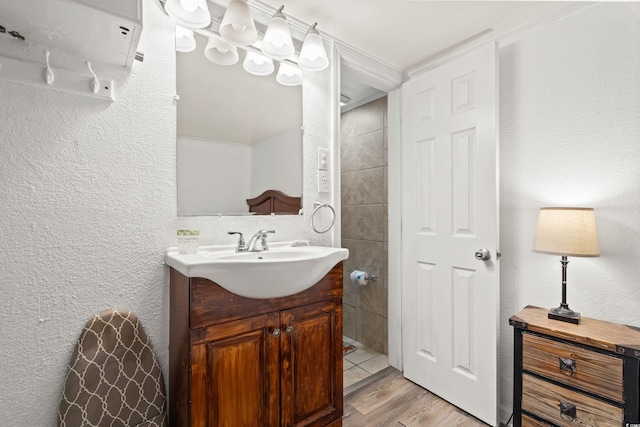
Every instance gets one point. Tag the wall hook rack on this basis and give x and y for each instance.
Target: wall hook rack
(31, 73)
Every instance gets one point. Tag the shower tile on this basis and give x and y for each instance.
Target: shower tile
(349, 188)
(349, 317)
(347, 365)
(348, 155)
(353, 375)
(370, 257)
(362, 354)
(370, 330)
(376, 364)
(371, 116)
(348, 124)
(373, 297)
(385, 307)
(370, 150)
(370, 186)
(386, 146)
(351, 294)
(371, 222)
(350, 263)
(349, 221)
(385, 193)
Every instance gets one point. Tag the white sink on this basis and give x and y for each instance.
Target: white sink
(281, 271)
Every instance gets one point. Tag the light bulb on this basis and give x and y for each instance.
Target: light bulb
(277, 42)
(189, 5)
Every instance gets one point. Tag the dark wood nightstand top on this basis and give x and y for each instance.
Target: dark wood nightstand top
(608, 336)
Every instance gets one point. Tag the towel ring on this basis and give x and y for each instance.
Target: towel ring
(317, 207)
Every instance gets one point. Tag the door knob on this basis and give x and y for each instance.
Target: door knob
(483, 254)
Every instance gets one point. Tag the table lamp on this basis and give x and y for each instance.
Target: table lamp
(566, 232)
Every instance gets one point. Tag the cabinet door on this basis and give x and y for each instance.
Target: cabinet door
(235, 374)
(311, 357)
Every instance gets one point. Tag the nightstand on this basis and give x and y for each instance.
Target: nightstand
(574, 375)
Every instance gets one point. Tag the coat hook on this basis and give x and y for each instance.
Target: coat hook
(48, 72)
(95, 84)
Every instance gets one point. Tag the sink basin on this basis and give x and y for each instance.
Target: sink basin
(281, 271)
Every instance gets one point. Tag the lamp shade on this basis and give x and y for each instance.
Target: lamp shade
(313, 57)
(185, 42)
(220, 52)
(567, 232)
(237, 25)
(257, 64)
(289, 75)
(277, 42)
(189, 13)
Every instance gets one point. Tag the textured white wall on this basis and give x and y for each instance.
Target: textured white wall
(277, 164)
(88, 208)
(213, 176)
(570, 136)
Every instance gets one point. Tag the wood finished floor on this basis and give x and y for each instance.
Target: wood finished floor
(393, 401)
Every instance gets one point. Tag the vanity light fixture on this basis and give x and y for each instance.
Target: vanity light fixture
(277, 42)
(257, 64)
(238, 28)
(185, 42)
(289, 75)
(237, 25)
(189, 13)
(220, 52)
(313, 57)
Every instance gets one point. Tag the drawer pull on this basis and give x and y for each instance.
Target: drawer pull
(567, 411)
(567, 366)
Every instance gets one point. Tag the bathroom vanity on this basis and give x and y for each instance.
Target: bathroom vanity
(239, 361)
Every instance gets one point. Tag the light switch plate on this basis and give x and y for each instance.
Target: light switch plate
(323, 159)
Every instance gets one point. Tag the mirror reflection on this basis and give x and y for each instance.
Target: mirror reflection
(239, 139)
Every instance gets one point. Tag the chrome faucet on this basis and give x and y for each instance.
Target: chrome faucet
(260, 236)
(241, 245)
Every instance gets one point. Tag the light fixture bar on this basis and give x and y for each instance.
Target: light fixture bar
(209, 32)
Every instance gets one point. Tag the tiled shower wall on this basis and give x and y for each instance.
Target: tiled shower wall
(364, 221)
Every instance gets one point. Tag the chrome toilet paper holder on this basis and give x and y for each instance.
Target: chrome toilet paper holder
(361, 278)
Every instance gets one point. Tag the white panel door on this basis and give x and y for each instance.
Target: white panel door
(450, 211)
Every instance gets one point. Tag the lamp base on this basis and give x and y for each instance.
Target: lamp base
(564, 314)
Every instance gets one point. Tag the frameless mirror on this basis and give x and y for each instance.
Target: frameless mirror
(238, 136)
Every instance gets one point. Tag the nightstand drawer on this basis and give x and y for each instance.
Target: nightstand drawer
(527, 421)
(591, 371)
(565, 407)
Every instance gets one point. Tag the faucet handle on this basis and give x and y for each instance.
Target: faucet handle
(241, 244)
(263, 238)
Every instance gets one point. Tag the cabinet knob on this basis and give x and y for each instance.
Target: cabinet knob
(567, 411)
(276, 332)
(567, 366)
(289, 329)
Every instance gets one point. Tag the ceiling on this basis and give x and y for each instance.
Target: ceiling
(402, 34)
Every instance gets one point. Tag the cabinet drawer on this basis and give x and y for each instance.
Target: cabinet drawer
(545, 400)
(588, 370)
(527, 421)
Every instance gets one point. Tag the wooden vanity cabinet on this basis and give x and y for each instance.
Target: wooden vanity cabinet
(239, 362)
